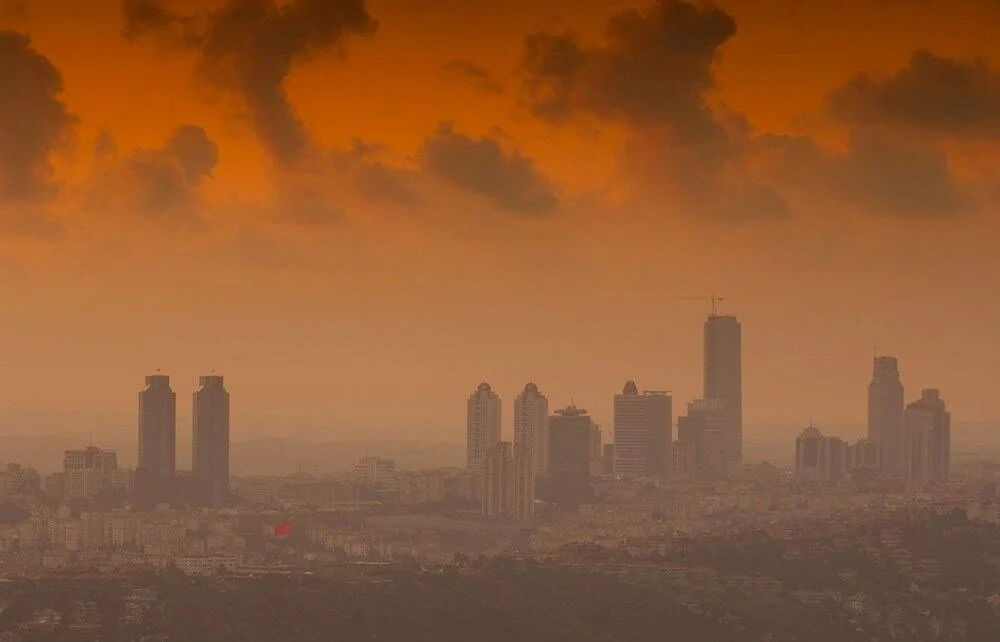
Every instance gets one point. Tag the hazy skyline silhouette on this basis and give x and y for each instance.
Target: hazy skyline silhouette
(403, 227)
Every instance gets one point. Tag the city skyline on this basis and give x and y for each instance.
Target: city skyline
(563, 320)
(386, 248)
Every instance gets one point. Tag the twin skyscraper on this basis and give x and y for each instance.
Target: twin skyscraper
(157, 475)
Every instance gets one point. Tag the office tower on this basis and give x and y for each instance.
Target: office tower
(927, 435)
(157, 434)
(510, 483)
(87, 472)
(659, 422)
(811, 455)
(524, 483)
(377, 473)
(608, 460)
(683, 464)
(724, 379)
(885, 414)
(210, 451)
(596, 455)
(642, 427)
(836, 459)
(90, 458)
(482, 427)
(703, 430)
(865, 453)
(570, 440)
(864, 459)
(531, 422)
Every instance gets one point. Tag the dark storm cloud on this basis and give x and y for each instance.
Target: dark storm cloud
(894, 177)
(158, 184)
(885, 175)
(482, 167)
(653, 68)
(480, 77)
(251, 46)
(551, 67)
(652, 73)
(372, 178)
(932, 94)
(195, 152)
(34, 121)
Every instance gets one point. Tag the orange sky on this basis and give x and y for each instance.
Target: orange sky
(375, 294)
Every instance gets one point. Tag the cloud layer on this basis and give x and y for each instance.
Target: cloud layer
(159, 185)
(251, 46)
(931, 95)
(481, 166)
(34, 121)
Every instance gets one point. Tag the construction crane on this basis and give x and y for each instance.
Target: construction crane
(714, 300)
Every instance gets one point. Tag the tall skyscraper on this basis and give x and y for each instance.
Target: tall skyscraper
(531, 423)
(157, 434)
(885, 414)
(570, 445)
(642, 432)
(510, 483)
(927, 439)
(211, 440)
(482, 427)
(724, 378)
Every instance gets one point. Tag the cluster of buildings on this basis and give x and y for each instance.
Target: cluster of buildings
(909, 443)
(93, 472)
(555, 456)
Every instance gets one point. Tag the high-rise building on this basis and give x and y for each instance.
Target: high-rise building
(531, 423)
(659, 421)
(608, 460)
(642, 432)
(378, 473)
(927, 439)
(810, 455)
(157, 434)
(482, 427)
(683, 464)
(864, 461)
(703, 431)
(596, 456)
(820, 458)
(885, 414)
(87, 472)
(510, 483)
(570, 447)
(90, 458)
(210, 452)
(837, 459)
(724, 379)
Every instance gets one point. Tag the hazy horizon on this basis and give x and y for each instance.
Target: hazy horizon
(345, 261)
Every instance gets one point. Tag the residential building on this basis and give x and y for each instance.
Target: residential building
(531, 422)
(482, 428)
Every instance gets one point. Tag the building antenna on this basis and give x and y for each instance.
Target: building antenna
(713, 299)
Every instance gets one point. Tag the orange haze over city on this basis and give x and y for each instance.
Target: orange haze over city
(358, 211)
